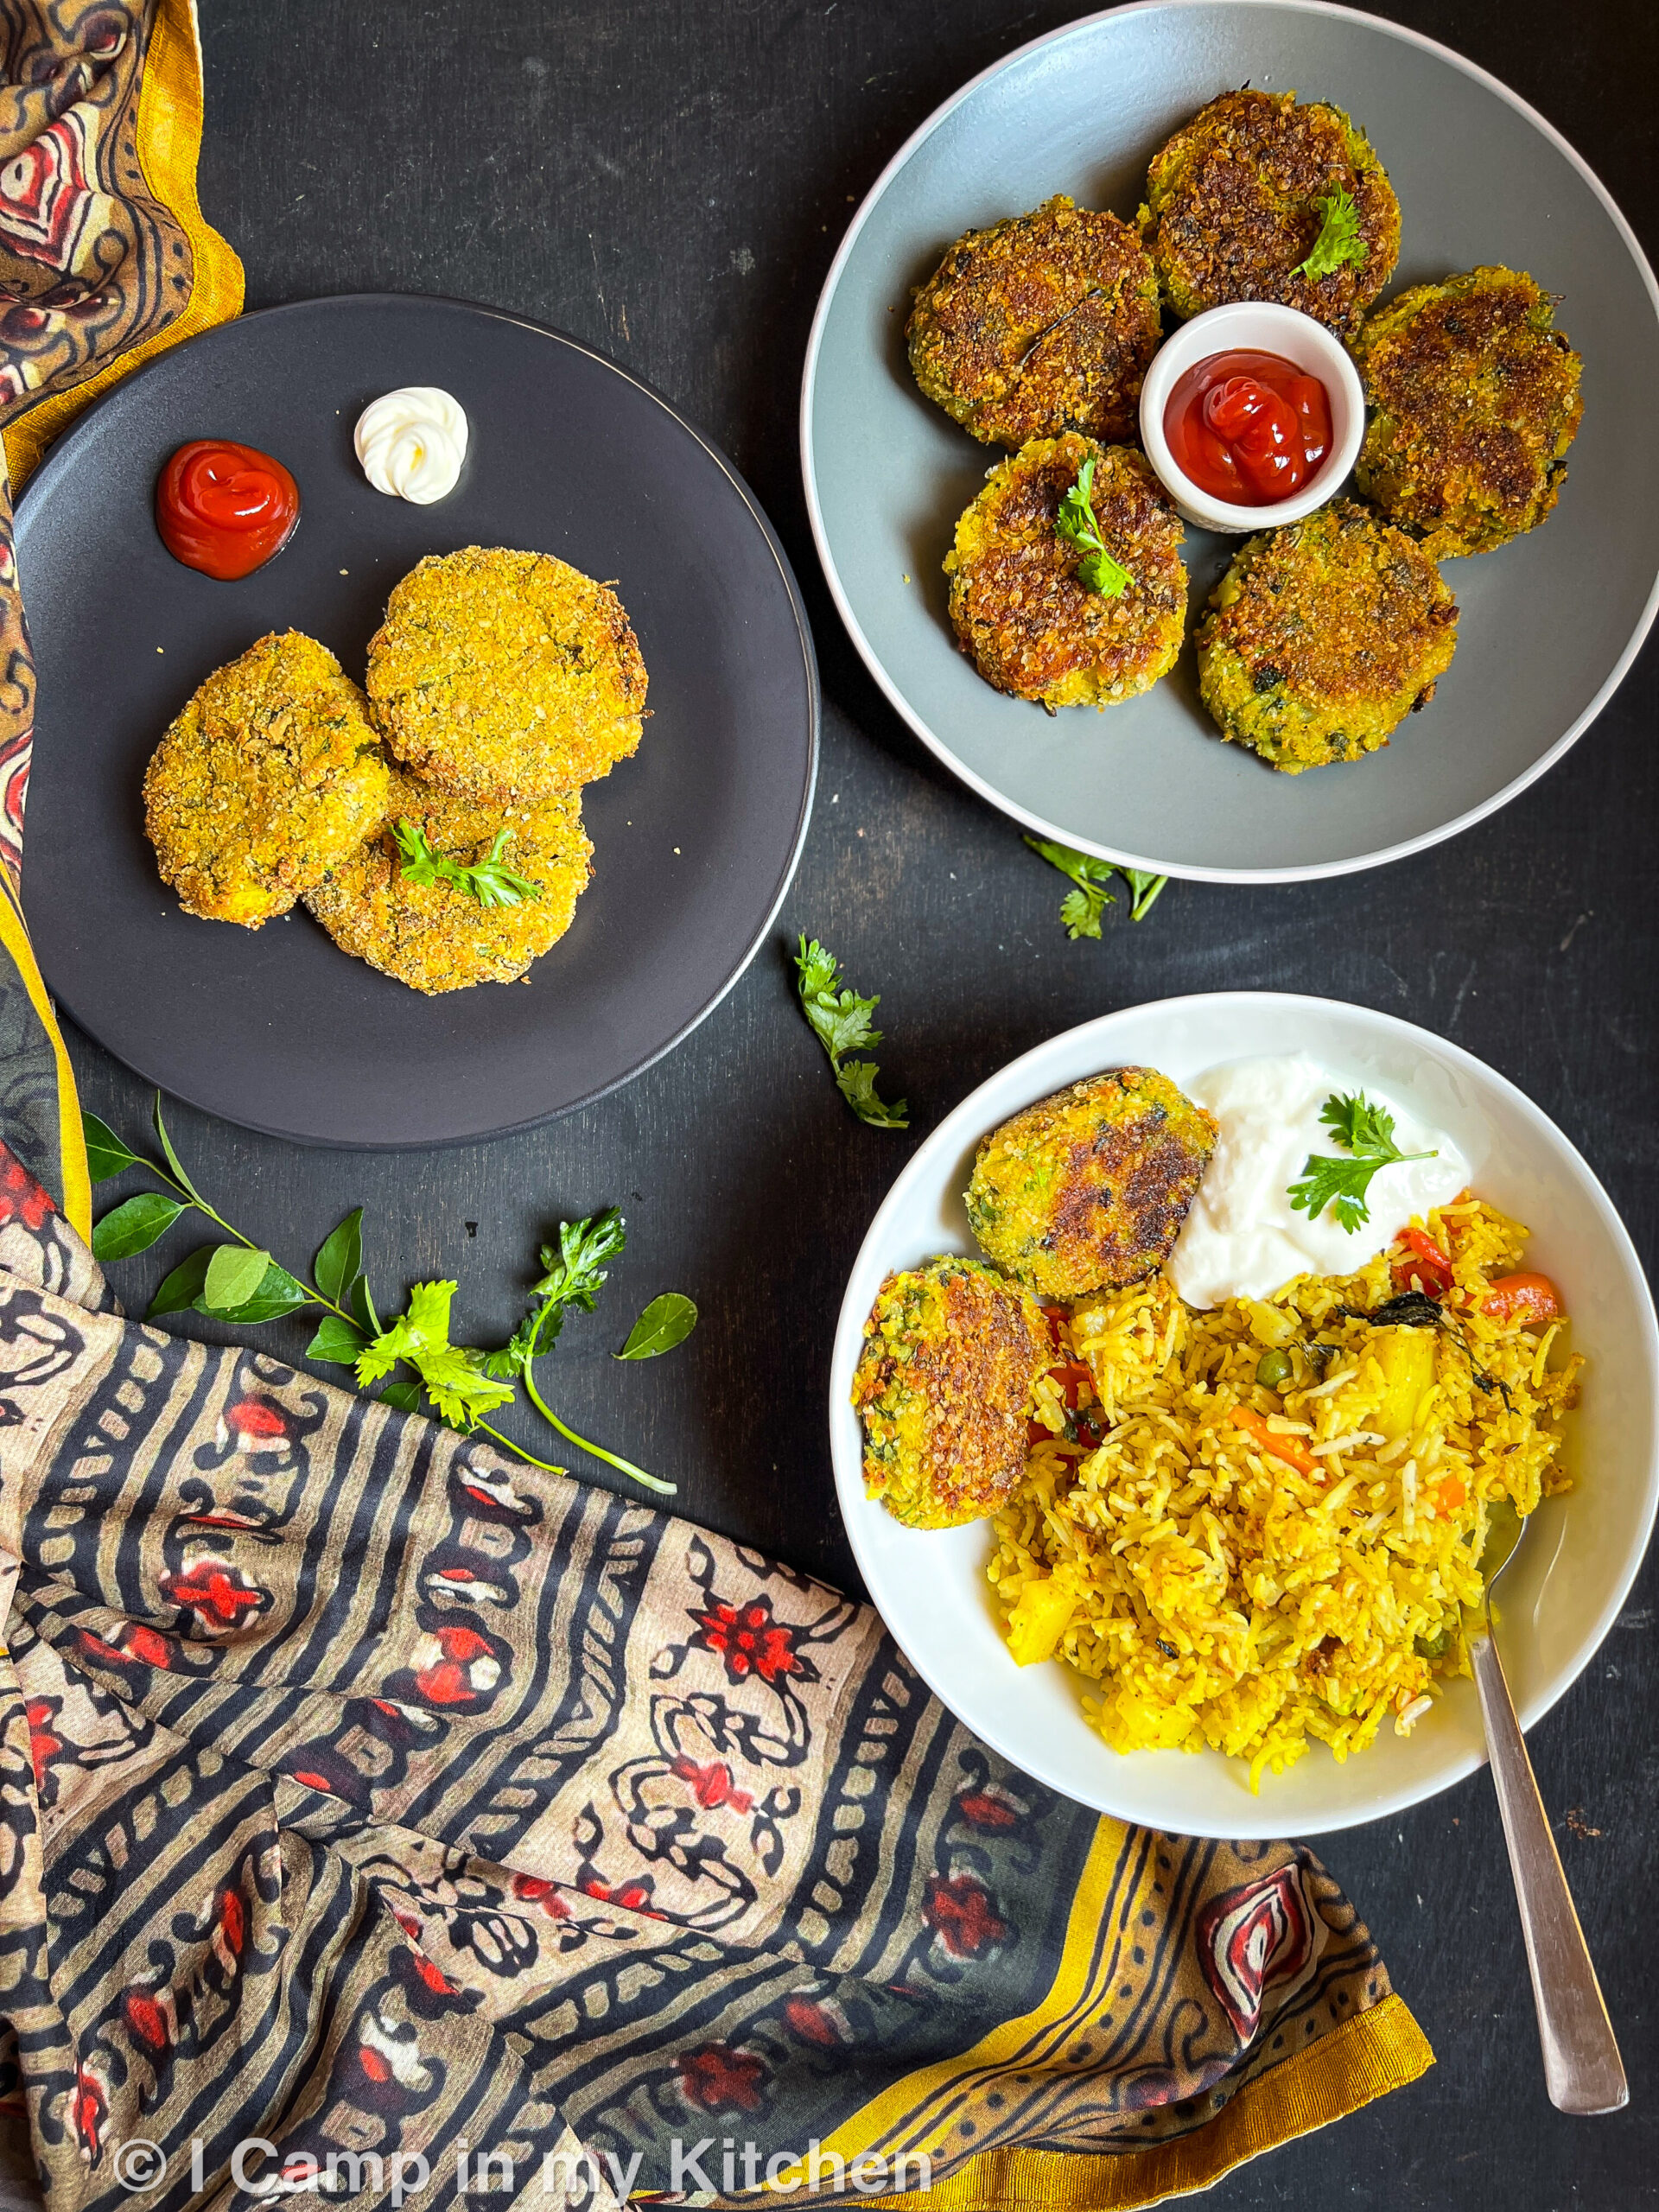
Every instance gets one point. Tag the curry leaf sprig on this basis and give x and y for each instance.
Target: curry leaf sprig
(490, 880)
(1081, 909)
(841, 1023)
(1339, 240)
(241, 1282)
(1075, 525)
(1368, 1133)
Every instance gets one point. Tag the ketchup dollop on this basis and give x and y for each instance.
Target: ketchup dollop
(1247, 428)
(224, 509)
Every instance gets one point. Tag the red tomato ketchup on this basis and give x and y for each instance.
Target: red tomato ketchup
(1247, 428)
(224, 509)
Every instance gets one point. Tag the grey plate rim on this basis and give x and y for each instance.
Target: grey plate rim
(52, 465)
(1354, 864)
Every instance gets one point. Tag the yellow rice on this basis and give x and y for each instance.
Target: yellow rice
(1218, 1595)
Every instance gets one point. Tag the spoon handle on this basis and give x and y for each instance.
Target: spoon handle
(1582, 2069)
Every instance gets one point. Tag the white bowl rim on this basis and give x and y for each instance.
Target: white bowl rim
(1254, 1818)
(1186, 346)
(1193, 872)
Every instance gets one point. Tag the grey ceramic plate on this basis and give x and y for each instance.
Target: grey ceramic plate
(1549, 624)
(695, 839)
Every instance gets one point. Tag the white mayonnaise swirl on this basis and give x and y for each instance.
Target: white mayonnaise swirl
(1242, 1238)
(411, 443)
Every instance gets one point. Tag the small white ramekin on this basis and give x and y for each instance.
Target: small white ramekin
(1264, 327)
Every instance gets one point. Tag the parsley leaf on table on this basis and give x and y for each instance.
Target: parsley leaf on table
(1075, 525)
(490, 880)
(454, 1376)
(1146, 887)
(571, 1280)
(841, 1021)
(1339, 240)
(1080, 910)
(1368, 1133)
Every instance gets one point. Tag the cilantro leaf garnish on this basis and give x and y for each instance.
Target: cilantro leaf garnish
(573, 1274)
(1338, 240)
(1368, 1133)
(1081, 909)
(454, 1376)
(1098, 571)
(839, 1020)
(1146, 887)
(490, 880)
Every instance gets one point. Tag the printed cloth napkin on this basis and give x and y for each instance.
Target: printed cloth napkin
(382, 1820)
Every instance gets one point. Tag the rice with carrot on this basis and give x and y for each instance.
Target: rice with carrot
(1256, 1525)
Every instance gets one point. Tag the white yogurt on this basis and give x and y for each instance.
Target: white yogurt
(411, 443)
(1242, 1238)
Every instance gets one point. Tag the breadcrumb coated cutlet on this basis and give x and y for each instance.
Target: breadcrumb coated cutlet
(1016, 604)
(1322, 637)
(1475, 400)
(1087, 1189)
(944, 1386)
(437, 937)
(1043, 323)
(1233, 208)
(268, 778)
(501, 675)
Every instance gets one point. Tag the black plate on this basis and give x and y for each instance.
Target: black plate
(695, 839)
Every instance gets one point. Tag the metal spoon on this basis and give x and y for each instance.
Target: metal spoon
(1582, 2069)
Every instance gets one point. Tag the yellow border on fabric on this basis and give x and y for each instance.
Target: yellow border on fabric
(76, 1196)
(169, 146)
(1365, 2058)
(903, 2104)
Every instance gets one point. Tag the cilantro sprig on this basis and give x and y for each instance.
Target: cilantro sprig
(1099, 570)
(239, 1281)
(1339, 240)
(1366, 1131)
(490, 880)
(1082, 908)
(572, 1273)
(841, 1021)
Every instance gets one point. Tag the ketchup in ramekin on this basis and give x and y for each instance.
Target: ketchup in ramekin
(1249, 427)
(224, 509)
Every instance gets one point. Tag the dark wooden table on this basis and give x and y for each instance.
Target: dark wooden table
(669, 183)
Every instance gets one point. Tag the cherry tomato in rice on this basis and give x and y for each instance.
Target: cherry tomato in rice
(1071, 1378)
(1431, 1267)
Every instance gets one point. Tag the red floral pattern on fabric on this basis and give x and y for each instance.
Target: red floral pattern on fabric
(21, 1197)
(43, 1742)
(960, 1912)
(981, 1810)
(749, 1640)
(712, 1785)
(218, 1599)
(812, 2023)
(530, 1889)
(720, 2079)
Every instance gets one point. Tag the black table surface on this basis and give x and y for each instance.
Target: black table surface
(669, 182)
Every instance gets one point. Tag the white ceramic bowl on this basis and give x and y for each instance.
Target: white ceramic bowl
(1581, 1552)
(1262, 326)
